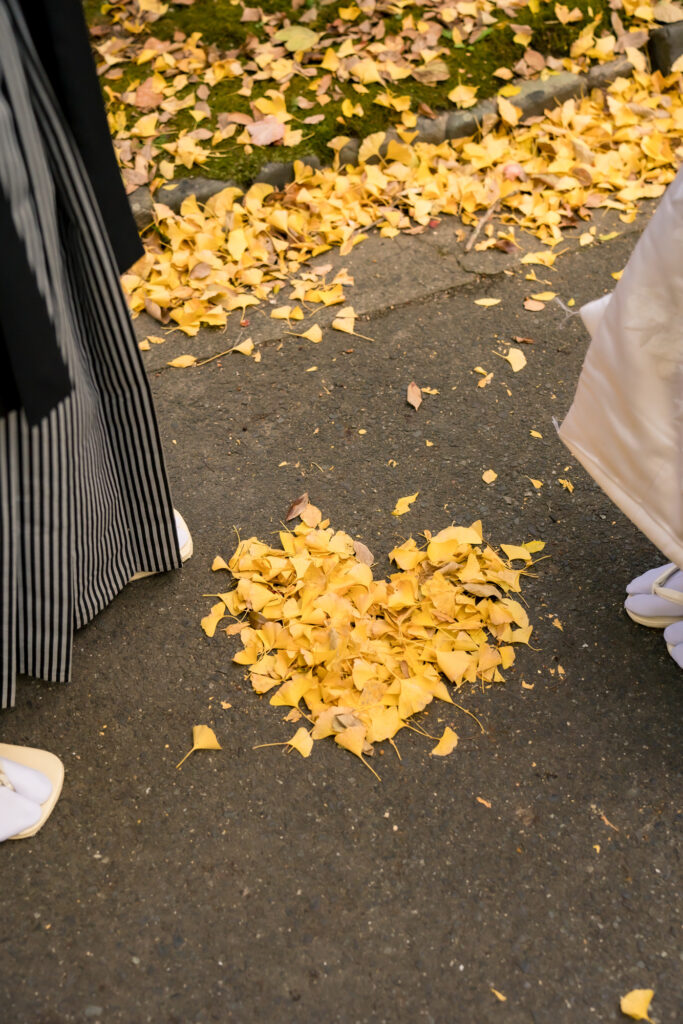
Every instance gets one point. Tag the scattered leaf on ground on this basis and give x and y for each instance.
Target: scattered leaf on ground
(203, 738)
(297, 507)
(302, 741)
(489, 476)
(403, 504)
(636, 1004)
(516, 359)
(446, 744)
(414, 395)
(181, 362)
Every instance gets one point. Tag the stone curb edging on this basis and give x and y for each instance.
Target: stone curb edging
(533, 98)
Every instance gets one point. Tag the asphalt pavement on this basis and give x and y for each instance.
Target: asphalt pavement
(538, 860)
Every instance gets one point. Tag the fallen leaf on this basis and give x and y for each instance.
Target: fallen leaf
(486, 803)
(363, 554)
(203, 738)
(313, 334)
(508, 111)
(181, 362)
(302, 741)
(311, 516)
(414, 395)
(297, 38)
(403, 504)
(446, 744)
(210, 621)
(533, 305)
(297, 507)
(535, 433)
(514, 551)
(516, 358)
(218, 563)
(537, 483)
(489, 476)
(636, 1003)
(486, 302)
(542, 259)
(499, 995)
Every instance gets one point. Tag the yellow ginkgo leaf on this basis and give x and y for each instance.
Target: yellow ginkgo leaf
(489, 476)
(541, 259)
(516, 359)
(463, 95)
(203, 738)
(210, 621)
(514, 551)
(180, 362)
(446, 744)
(636, 1003)
(537, 483)
(219, 563)
(454, 664)
(486, 302)
(403, 504)
(302, 741)
(499, 995)
(245, 347)
(508, 111)
(313, 334)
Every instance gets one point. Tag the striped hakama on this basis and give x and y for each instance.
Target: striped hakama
(84, 497)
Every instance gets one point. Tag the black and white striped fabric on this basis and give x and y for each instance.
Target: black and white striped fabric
(84, 497)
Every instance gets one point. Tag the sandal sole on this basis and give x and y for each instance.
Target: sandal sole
(45, 762)
(654, 621)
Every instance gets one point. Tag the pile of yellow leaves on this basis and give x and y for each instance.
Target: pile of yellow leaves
(607, 150)
(365, 655)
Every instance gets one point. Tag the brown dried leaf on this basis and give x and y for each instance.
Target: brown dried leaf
(297, 507)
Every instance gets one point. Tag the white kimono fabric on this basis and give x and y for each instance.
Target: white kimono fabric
(626, 422)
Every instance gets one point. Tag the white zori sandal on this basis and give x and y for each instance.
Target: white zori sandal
(656, 598)
(30, 784)
(184, 543)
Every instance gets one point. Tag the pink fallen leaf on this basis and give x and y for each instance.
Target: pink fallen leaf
(363, 554)
(414, 395)
(267, 131)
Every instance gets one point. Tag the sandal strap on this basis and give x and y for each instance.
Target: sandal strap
(4, 781)
(658, 588)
